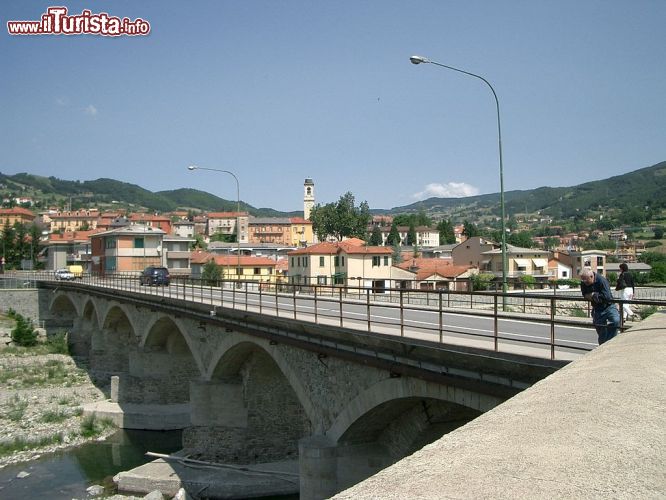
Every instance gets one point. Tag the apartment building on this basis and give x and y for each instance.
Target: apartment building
(128, 248)
(225, 223)
(17, 214)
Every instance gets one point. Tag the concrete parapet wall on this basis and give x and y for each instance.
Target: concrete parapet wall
(594, 429)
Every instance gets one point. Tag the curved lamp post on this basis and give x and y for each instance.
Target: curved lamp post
(238, 232)
(424, 60)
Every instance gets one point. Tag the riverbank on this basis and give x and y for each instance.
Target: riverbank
(41, 400)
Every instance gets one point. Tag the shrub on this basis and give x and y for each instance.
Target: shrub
(481, 281)
(24, 333)
(528, 281)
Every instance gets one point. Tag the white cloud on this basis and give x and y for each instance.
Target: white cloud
(448, 190)
(90, 110)
(62, 101)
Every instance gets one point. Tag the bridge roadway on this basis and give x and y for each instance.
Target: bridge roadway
(520, 334)
(594, 429)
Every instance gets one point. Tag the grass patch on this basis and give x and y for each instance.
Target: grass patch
(22, 444)
(54, 417)
(16, 408)
(50, 374)
(92, 426)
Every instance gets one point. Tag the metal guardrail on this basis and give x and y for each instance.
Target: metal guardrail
(424, 314)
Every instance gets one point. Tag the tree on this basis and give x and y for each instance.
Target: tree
(341, 219)
(411, 234)
(211, 273)
(397, 255)
(551, 243)
(446, 233)
(376, 237)
(470, 230)
(198, 243)
(521, 239)
(24, 333)
(393, 238)
(658, 232)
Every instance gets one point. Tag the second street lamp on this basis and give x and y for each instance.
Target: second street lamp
(238, 229)
(424, 60)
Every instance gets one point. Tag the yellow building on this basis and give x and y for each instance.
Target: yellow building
(231, 267)
(17, 214)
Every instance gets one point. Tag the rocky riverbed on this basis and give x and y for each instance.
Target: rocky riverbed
(41, 399)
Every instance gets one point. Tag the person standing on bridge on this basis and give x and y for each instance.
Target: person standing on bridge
(625, 284)
(605, 316)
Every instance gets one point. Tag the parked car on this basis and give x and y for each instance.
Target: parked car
(64, 274)
(153, 275)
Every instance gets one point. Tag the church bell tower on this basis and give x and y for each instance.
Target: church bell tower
(308, 198)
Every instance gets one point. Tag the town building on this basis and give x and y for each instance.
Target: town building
(177, 255)
(74, 220)
(225, 223)
(17, 214)
(577, 260)
(233, 268)
(126, 249)
(70, 248)
(350, 262)
(520, 262)
(438, 274)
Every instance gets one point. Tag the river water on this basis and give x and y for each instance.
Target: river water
(67, 473)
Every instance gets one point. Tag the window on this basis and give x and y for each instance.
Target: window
(110, 243)
(321, 280)
(139, 242)
(257, 270)
(239, 271)
(376, 261)
(336, 261)
(321, 263)
(293, 262)
(600, 262)
(386, 260)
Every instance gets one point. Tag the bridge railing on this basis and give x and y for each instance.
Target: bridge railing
(502, 322)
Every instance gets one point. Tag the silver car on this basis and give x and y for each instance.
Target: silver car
(64, 274)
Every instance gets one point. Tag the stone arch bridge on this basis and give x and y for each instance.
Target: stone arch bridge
(249, 388)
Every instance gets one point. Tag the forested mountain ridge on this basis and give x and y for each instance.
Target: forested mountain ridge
(625, 193)
(635, 190)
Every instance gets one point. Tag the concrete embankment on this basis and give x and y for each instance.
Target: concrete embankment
(594, 429)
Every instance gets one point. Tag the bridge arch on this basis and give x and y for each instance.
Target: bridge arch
(168, 334)
(62, 306)
(235, 349)
(111, 344)
(260, 413)
(383, 401)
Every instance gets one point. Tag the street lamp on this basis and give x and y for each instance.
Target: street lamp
(424, 60)
(238, 232)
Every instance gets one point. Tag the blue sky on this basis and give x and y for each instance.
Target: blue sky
(277, 91)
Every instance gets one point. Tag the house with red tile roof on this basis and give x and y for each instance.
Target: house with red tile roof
(439, 274)
(349, 262)
(232, 267)
(16, 214)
